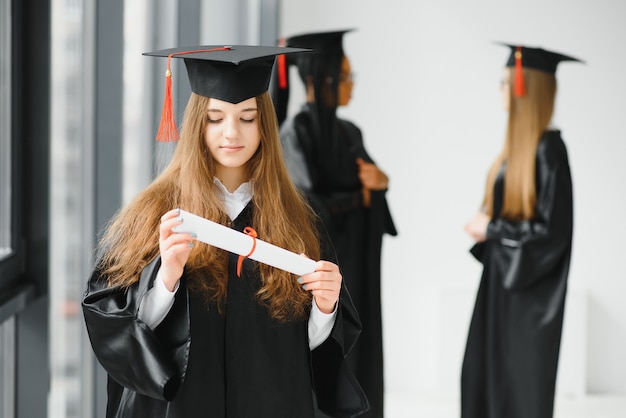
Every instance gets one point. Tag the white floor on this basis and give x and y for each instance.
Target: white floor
(593, 406)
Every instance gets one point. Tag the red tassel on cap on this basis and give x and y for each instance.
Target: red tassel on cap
(282, 72)
(281, 61)
(520, 90)
(168, 131)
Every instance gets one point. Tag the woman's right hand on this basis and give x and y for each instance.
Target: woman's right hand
(175, 248)
(371, 176)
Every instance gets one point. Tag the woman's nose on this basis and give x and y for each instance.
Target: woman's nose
(230, 128)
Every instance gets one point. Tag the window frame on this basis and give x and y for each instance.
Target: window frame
(24, 269)
(15, 293)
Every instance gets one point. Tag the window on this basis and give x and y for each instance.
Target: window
(7, 326)
(5, 130)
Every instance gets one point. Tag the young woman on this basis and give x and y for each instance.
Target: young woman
(327, 158)
(523, 239)
(180, 331)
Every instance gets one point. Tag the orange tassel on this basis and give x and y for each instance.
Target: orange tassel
(168, 131)
(520, 89)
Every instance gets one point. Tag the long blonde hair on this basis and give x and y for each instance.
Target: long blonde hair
(281, 216)
(529, 117)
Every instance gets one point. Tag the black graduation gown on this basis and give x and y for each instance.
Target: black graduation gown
(356, 232)
(200, 363)
(510, 363)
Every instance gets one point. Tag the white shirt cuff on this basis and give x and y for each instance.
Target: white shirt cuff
(156, 303)
(320, 325)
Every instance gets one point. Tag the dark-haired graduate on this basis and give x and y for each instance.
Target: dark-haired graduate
(523, 235)
(181, 327)
(327, 158)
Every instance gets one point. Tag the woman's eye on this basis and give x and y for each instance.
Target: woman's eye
(214, 120)
(247, 120)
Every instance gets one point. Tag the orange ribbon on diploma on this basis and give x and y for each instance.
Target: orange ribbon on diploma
(248, 231)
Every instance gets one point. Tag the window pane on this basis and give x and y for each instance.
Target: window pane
(69, 203)
(7, 368)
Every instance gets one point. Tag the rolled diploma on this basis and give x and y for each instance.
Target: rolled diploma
(228, 239)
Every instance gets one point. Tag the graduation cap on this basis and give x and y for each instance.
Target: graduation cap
(535, 58)
(328, 46)
(230, 73)
(321, 65)
(318, 41)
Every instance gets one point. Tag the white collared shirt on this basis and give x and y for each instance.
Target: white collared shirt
(158, 301)
(236, 201)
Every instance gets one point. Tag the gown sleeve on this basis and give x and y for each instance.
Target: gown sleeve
(133, 355)
(531, 250)
(338, 202)
(293, 134)
(296, 132)
(337, 390)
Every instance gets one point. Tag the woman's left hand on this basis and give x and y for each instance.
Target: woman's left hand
(476, 228)
(324, 284)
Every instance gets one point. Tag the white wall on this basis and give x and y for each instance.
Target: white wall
(427, 99)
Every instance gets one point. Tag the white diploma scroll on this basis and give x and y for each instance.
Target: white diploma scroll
(228, 239)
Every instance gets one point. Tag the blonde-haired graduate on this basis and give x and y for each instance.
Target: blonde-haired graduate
(523, 239)
(183, 332)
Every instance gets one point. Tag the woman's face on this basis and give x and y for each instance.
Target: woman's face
(344, 89)
(232, 133)
(505, 89)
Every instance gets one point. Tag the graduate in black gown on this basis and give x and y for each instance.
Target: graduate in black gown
(523, 239)
(186, 330)
(327, 158)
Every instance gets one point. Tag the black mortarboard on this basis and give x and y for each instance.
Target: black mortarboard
(535, 58)
(317, 41)
(321, 66)
(327, 46)
(231, 73)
